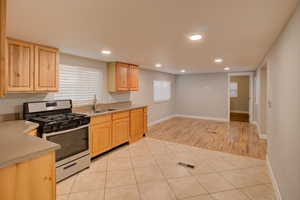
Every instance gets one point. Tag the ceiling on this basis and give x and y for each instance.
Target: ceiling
(147, 32)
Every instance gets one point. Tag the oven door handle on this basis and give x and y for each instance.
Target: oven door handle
(64, 131)
(67, 167)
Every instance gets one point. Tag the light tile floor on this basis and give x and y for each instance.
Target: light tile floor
(148, 170)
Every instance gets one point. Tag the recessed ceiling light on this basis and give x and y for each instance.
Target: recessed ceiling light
(196, 37)
(226, 68)
(106, 52)
(182, 71)
(158, 65)
(218, 60)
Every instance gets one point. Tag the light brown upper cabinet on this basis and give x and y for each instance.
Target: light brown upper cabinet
(122, 77)
(20, 62)
(46, 69)
(2, 47)
(133, 78)
(31, 68)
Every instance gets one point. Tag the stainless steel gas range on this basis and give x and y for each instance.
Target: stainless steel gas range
(58, 124)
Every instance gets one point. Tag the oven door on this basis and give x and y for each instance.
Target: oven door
(74, 144)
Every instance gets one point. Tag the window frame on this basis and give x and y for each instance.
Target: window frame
(170, 91)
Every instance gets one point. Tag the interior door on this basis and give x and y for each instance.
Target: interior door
(122, 71)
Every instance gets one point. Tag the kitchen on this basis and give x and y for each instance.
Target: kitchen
(117, 100)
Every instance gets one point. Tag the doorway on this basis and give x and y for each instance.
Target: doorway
(240, 95)
(263, 100)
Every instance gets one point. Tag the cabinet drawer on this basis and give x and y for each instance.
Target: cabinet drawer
(121, 115)
(101, 119)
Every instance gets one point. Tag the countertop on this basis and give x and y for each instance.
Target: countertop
(17, 146)
(118, 109)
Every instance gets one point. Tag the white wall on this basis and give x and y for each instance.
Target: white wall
(202, 95)
(283, 62)
(160, 110)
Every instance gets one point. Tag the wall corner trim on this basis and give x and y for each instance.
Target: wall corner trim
(261, 136)
(273, 179)
(203, 117)
(161, 120)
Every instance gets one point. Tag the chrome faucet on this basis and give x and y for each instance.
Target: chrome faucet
(95, 103)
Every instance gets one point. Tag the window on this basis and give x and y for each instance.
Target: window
(162, 90)
(233, 89)
(78, 83)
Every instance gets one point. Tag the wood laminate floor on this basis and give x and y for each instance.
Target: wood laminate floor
(239, 138)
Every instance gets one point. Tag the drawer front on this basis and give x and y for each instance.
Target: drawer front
(101, 119)
(121, 115)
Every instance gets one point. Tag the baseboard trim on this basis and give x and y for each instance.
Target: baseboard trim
(239, 111)
(202, 117)
(161, 120)
(273, 179)
(188, 116)
(261, 136)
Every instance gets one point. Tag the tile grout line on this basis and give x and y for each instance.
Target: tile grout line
(165, 178)
(219, 173)
(104, 193)
(137, 186)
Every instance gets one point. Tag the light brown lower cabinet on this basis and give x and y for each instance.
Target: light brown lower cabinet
(120, 131)
(101, 137)
(111, 130)
(136, 124)
(33, 132)
(145, 120)
(33, 179)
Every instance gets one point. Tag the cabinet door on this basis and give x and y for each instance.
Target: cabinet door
(33, 132)
(136, 124)
(120, 131)
(133, 78)
(101, 138)
(122, 71)
(145, 120)
(2, 47)
(33, 179)
(46, 69)
(20, 66)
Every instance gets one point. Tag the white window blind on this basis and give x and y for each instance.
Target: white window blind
(162, 90)
(78, 83)
(233, 89)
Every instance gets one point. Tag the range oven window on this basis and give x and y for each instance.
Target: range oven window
(72, 142)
